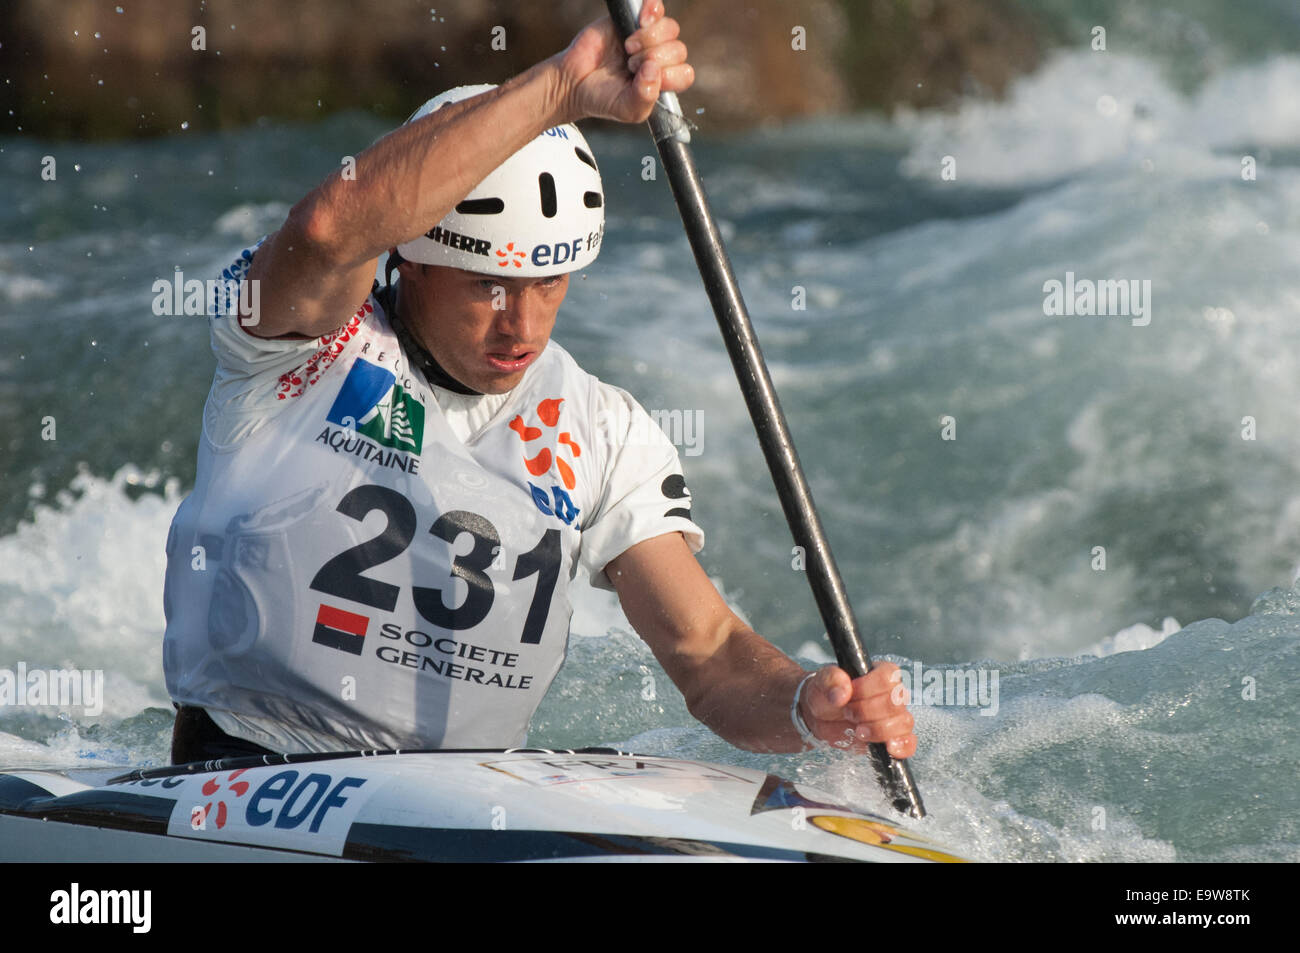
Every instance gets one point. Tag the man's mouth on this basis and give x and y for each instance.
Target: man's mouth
(510, 362)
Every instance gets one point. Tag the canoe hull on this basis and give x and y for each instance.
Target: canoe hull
(439, 807)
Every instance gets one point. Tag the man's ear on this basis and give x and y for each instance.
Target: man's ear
(399, 264)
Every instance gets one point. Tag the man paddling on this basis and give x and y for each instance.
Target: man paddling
(396, 485)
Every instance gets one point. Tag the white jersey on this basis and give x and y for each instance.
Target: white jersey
(367, 561)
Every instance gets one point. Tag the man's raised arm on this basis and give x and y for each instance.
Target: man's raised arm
(318, 268)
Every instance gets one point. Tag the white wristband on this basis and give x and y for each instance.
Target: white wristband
(806, 736)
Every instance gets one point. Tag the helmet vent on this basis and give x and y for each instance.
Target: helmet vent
(546, 184)
(585, 156)
(481, 207)
(591, 199)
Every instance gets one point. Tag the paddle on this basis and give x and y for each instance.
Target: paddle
(672, 136)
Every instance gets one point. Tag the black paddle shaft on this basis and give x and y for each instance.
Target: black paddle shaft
(672, 138)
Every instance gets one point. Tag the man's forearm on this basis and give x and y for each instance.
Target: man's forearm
(744, 691)
(733, 679)
(412, 177)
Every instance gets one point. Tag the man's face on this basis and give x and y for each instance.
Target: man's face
(484, 330)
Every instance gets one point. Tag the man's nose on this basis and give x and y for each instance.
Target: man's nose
(521, 312)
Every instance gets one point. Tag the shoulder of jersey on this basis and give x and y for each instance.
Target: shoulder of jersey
(566, 361)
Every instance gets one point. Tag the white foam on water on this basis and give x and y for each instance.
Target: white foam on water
(1253, 104)
(815, 652)
(250, 221)
(1135, 638)
(1083, 109)
(20, 289)
(81, 587)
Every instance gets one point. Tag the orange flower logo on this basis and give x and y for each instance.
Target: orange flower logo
(548, 412)
(510, 255)
(200, 816)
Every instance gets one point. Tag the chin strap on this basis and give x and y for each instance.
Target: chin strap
(415, 351)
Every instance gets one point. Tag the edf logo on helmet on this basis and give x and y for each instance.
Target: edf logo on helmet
(561, 252)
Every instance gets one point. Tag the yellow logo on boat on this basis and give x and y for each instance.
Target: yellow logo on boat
(879, 835)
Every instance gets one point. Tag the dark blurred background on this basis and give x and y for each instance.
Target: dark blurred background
(90, 69)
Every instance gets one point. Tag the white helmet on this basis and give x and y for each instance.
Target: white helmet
(539, 213)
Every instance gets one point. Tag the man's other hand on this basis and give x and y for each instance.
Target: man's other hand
(603, 78)
(852, 713)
